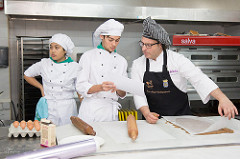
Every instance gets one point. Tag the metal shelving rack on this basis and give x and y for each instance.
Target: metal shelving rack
(29, 50)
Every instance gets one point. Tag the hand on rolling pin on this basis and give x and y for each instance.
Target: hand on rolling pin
(107, 86)
(132, 127)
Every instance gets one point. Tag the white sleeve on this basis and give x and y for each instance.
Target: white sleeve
(125, 75)
(82, 84)
(137, 74)
(34, 70)
(77, 72)
(200, 81)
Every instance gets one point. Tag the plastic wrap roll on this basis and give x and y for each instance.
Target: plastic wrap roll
(65, 151)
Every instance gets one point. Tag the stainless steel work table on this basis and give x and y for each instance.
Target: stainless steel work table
(10, 146)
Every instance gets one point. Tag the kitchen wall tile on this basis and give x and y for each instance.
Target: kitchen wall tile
(3, 41)
(5, 83)
(3, 27)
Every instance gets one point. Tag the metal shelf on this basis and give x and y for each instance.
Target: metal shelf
(30, 50)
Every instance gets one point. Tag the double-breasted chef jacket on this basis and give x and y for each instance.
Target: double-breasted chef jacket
(58, 81)
(180, 69)
(95, 64)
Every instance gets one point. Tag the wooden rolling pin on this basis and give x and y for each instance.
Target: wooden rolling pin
(82, 126)
(132, 127)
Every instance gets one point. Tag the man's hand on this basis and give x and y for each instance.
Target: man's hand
(152, 117)
(107, 86)
(227, 108)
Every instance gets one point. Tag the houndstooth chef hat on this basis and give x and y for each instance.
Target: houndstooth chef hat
(154, 31)
(110, 27)
(64, 41)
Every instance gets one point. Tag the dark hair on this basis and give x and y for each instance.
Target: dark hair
(164, 47)
(106, 36)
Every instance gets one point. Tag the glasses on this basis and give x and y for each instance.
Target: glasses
(148, 46)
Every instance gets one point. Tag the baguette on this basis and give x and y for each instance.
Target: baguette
(132, 127)
(82, 126)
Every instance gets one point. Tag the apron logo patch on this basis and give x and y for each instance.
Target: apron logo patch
(149, 84)
(165, 83)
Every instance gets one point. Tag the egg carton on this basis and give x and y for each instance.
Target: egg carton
(15, 132)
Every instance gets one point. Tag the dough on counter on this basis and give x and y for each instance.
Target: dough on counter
(220, 131)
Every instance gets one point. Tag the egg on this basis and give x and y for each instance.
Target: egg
(15, 124)
(37, 125)
(23, 124)
(30, 124)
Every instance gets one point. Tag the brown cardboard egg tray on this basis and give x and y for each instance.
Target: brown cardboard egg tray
(15, 132)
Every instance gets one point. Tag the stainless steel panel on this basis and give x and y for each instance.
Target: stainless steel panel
(189, 14)
(71, 9)
(186, 10)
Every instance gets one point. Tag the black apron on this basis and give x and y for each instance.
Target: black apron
(162, 95)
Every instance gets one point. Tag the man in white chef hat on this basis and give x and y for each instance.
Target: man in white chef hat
(165, 74)
(59, 75)
(100, 96)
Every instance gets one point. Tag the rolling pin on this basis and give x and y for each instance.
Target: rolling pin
(82, 126)
(132, 127)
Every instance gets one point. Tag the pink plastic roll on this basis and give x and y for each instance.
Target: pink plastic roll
(81, 148)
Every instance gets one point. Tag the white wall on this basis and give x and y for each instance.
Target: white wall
(4, 72)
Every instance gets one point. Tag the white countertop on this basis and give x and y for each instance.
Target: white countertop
(157, 140)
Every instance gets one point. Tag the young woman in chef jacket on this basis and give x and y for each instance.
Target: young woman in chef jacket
(59, 73)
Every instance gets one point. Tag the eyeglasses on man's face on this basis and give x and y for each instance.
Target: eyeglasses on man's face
(148, 46)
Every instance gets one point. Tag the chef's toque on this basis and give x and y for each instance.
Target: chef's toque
(64, 41)
(110, 27)
(154, 31)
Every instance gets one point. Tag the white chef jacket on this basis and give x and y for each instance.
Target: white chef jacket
(181, 70)
(95, 64)
(59, 86)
